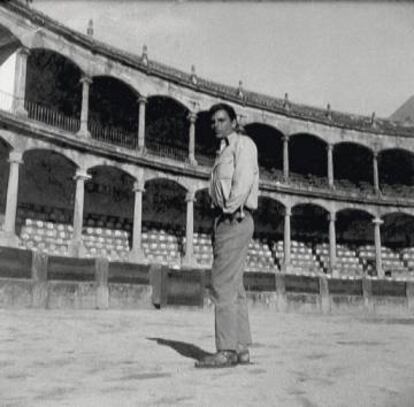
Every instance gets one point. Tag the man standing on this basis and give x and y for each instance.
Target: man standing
(234, 183)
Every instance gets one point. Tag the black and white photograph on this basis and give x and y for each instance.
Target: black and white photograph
(206, 203)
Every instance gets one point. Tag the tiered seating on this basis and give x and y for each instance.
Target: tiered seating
(347, 261)
(271, 174)
(391, 260)
(260, 257)
(50, 230)
(203, 249)
(345, 185)
(104, 242)
(45, 236)
(313, 181)
(366, 187)
(407, 257)
(161, 246)
(302, 257)
(308, 180)
(398, 190)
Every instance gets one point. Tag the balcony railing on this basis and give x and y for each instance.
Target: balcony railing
(166, 150)
(204, 159)
(51, 116)
(113, 135)
(117, 136)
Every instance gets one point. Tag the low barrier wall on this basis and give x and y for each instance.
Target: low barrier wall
(31, 279)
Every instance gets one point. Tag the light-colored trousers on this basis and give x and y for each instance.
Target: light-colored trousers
(230, 245)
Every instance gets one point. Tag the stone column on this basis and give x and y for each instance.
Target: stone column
(330, 166)
(20, 81)
(375, 171)
(377, 236)
(8, 234)
(137, 253)
(332, 244)
(188, 260)
(286, 241)
(192, 117)
(76, 248)
(83, 131)
(142, 102)
(286, 158)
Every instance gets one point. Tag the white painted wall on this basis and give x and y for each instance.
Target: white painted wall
(7, 73)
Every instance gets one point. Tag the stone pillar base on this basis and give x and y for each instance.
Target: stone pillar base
(334, 272)
(21, 112)
(76, 249)
(9, 239)
(136, 256)
(189, 262)
(84, 133)
(287, 268)
(192, 161)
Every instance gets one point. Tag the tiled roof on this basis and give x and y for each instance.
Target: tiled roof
(253, 99)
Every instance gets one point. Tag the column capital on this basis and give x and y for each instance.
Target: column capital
(82, 175)
(332, 216)
(288, 211)
(86, 79)
(377, 221)
(329, 147)
(16, 157)
(190, 195)
(142, 99)
(192, 117)
(285, 138)
(24, 51)
(375, 155)
(139, 185)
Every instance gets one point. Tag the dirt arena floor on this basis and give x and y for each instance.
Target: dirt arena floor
(146, 358)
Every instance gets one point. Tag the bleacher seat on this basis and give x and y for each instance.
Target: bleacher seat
(303, 259)
(45, 236)
(347, 261)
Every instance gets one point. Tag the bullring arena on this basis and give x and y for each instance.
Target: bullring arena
(104, 166)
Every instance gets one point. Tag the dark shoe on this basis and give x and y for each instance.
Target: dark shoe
(223, 358)
(243, 357)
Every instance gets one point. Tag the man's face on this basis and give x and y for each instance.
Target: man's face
(221, 124)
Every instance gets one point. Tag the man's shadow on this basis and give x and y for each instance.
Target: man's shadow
(186, 349)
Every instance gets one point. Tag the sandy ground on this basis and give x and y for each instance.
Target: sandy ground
(146, 358)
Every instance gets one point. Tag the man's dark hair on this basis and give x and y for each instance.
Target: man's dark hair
(223, 106)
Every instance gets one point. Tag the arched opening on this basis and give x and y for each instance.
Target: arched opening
(308, 161)
(9, 45)
(203, 221)
(264, 251)
(4, 177)
(53, 91)
(355, 250)
(309, 232)
(206, 141)
(166, 132)
(397, 252)
(396, 172)
(46, 201)
(353, 167)
(113, 112)
(269, 144)
(203, 228)
(108, 213)
(164, 221)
